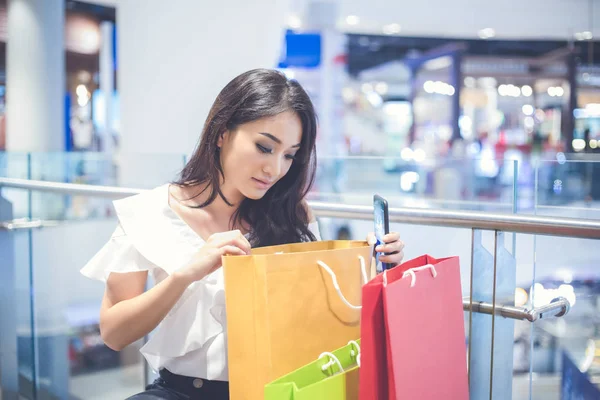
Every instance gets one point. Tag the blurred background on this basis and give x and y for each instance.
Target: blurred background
(460, 105)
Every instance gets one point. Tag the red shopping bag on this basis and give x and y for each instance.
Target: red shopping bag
(412, 333)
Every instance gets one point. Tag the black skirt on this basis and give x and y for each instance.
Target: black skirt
(169, 386)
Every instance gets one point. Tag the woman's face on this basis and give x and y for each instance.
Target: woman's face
(257, 154)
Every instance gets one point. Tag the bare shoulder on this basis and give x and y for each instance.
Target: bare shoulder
(187, 195)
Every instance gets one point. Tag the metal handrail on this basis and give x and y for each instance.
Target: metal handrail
(558, 307)
(19, 224)
(76, 189)
(537, 225)
(527, 224)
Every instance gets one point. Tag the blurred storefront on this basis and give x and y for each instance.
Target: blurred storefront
(88, 27)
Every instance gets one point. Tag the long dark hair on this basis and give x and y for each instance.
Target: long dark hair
(280, 215)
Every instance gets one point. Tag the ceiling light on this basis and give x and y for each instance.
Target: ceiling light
(438, 63)
(381, 88)
(578, 144)
(527, 90)
(429, 86)
(528, 109)
(556, 91)
(81, 90)
(586, 35)
(294, 22)
(487, 33)
(352, 20)
(488, 82)
(391, 29)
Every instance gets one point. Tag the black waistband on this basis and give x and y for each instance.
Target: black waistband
(195, 387)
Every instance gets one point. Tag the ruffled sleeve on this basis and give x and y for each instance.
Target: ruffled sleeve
(117, 255)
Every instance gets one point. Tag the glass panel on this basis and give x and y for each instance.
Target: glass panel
(413, 181)
(525, 273)
(18, 352)
(564, 267)
(72, 360)
(17, 364)
(562, 350)
(16, 166)
(131, 171)
(568, 188)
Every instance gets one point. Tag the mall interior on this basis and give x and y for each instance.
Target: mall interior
(478, 121)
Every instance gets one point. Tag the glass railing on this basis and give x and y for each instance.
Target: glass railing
(55, 309)
(543, 187)
(460, 184)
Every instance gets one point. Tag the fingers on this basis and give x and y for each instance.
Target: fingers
(391, 237)
(371, 238)
(394, 247)
(392, 258)
(230, 250)
(233, 238)
(242, 243)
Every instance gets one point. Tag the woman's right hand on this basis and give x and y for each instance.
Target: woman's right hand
(208, 259)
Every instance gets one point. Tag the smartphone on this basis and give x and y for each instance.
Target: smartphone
(382, 227)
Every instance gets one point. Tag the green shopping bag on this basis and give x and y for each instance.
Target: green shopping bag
(334, 376)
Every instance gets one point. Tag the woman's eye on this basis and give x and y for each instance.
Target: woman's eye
(264, 149)
(290, 157)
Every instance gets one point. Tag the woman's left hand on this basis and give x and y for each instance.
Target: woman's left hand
(392, 245)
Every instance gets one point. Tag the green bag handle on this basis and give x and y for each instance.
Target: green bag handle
(345, 358)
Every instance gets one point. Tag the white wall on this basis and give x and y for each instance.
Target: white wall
(175, 56)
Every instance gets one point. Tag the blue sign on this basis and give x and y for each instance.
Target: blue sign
(301, 50)
(576, 385)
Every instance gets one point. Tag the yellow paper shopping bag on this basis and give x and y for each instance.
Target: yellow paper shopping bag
(286, 305)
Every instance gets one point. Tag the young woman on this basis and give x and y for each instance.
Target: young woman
(244, 187)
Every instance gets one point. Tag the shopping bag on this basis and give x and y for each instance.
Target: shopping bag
(412, 332)
(333, 376)
(286, 305)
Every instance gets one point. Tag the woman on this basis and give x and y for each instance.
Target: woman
(244, 187)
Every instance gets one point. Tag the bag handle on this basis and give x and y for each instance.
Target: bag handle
(363, 271)
(411, 272)
(333, 360)
(355, 353)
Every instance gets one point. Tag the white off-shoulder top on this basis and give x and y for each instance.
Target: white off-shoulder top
(192, 339)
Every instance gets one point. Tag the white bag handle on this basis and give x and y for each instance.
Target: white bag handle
(411, 272)
(363, 270)
(355, 353)
(333, 360)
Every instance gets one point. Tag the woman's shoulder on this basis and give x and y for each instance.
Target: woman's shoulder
(151, 226)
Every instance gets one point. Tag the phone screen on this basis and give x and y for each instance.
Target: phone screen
(381, 220)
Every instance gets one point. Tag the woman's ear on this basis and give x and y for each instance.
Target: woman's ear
(221, 138)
